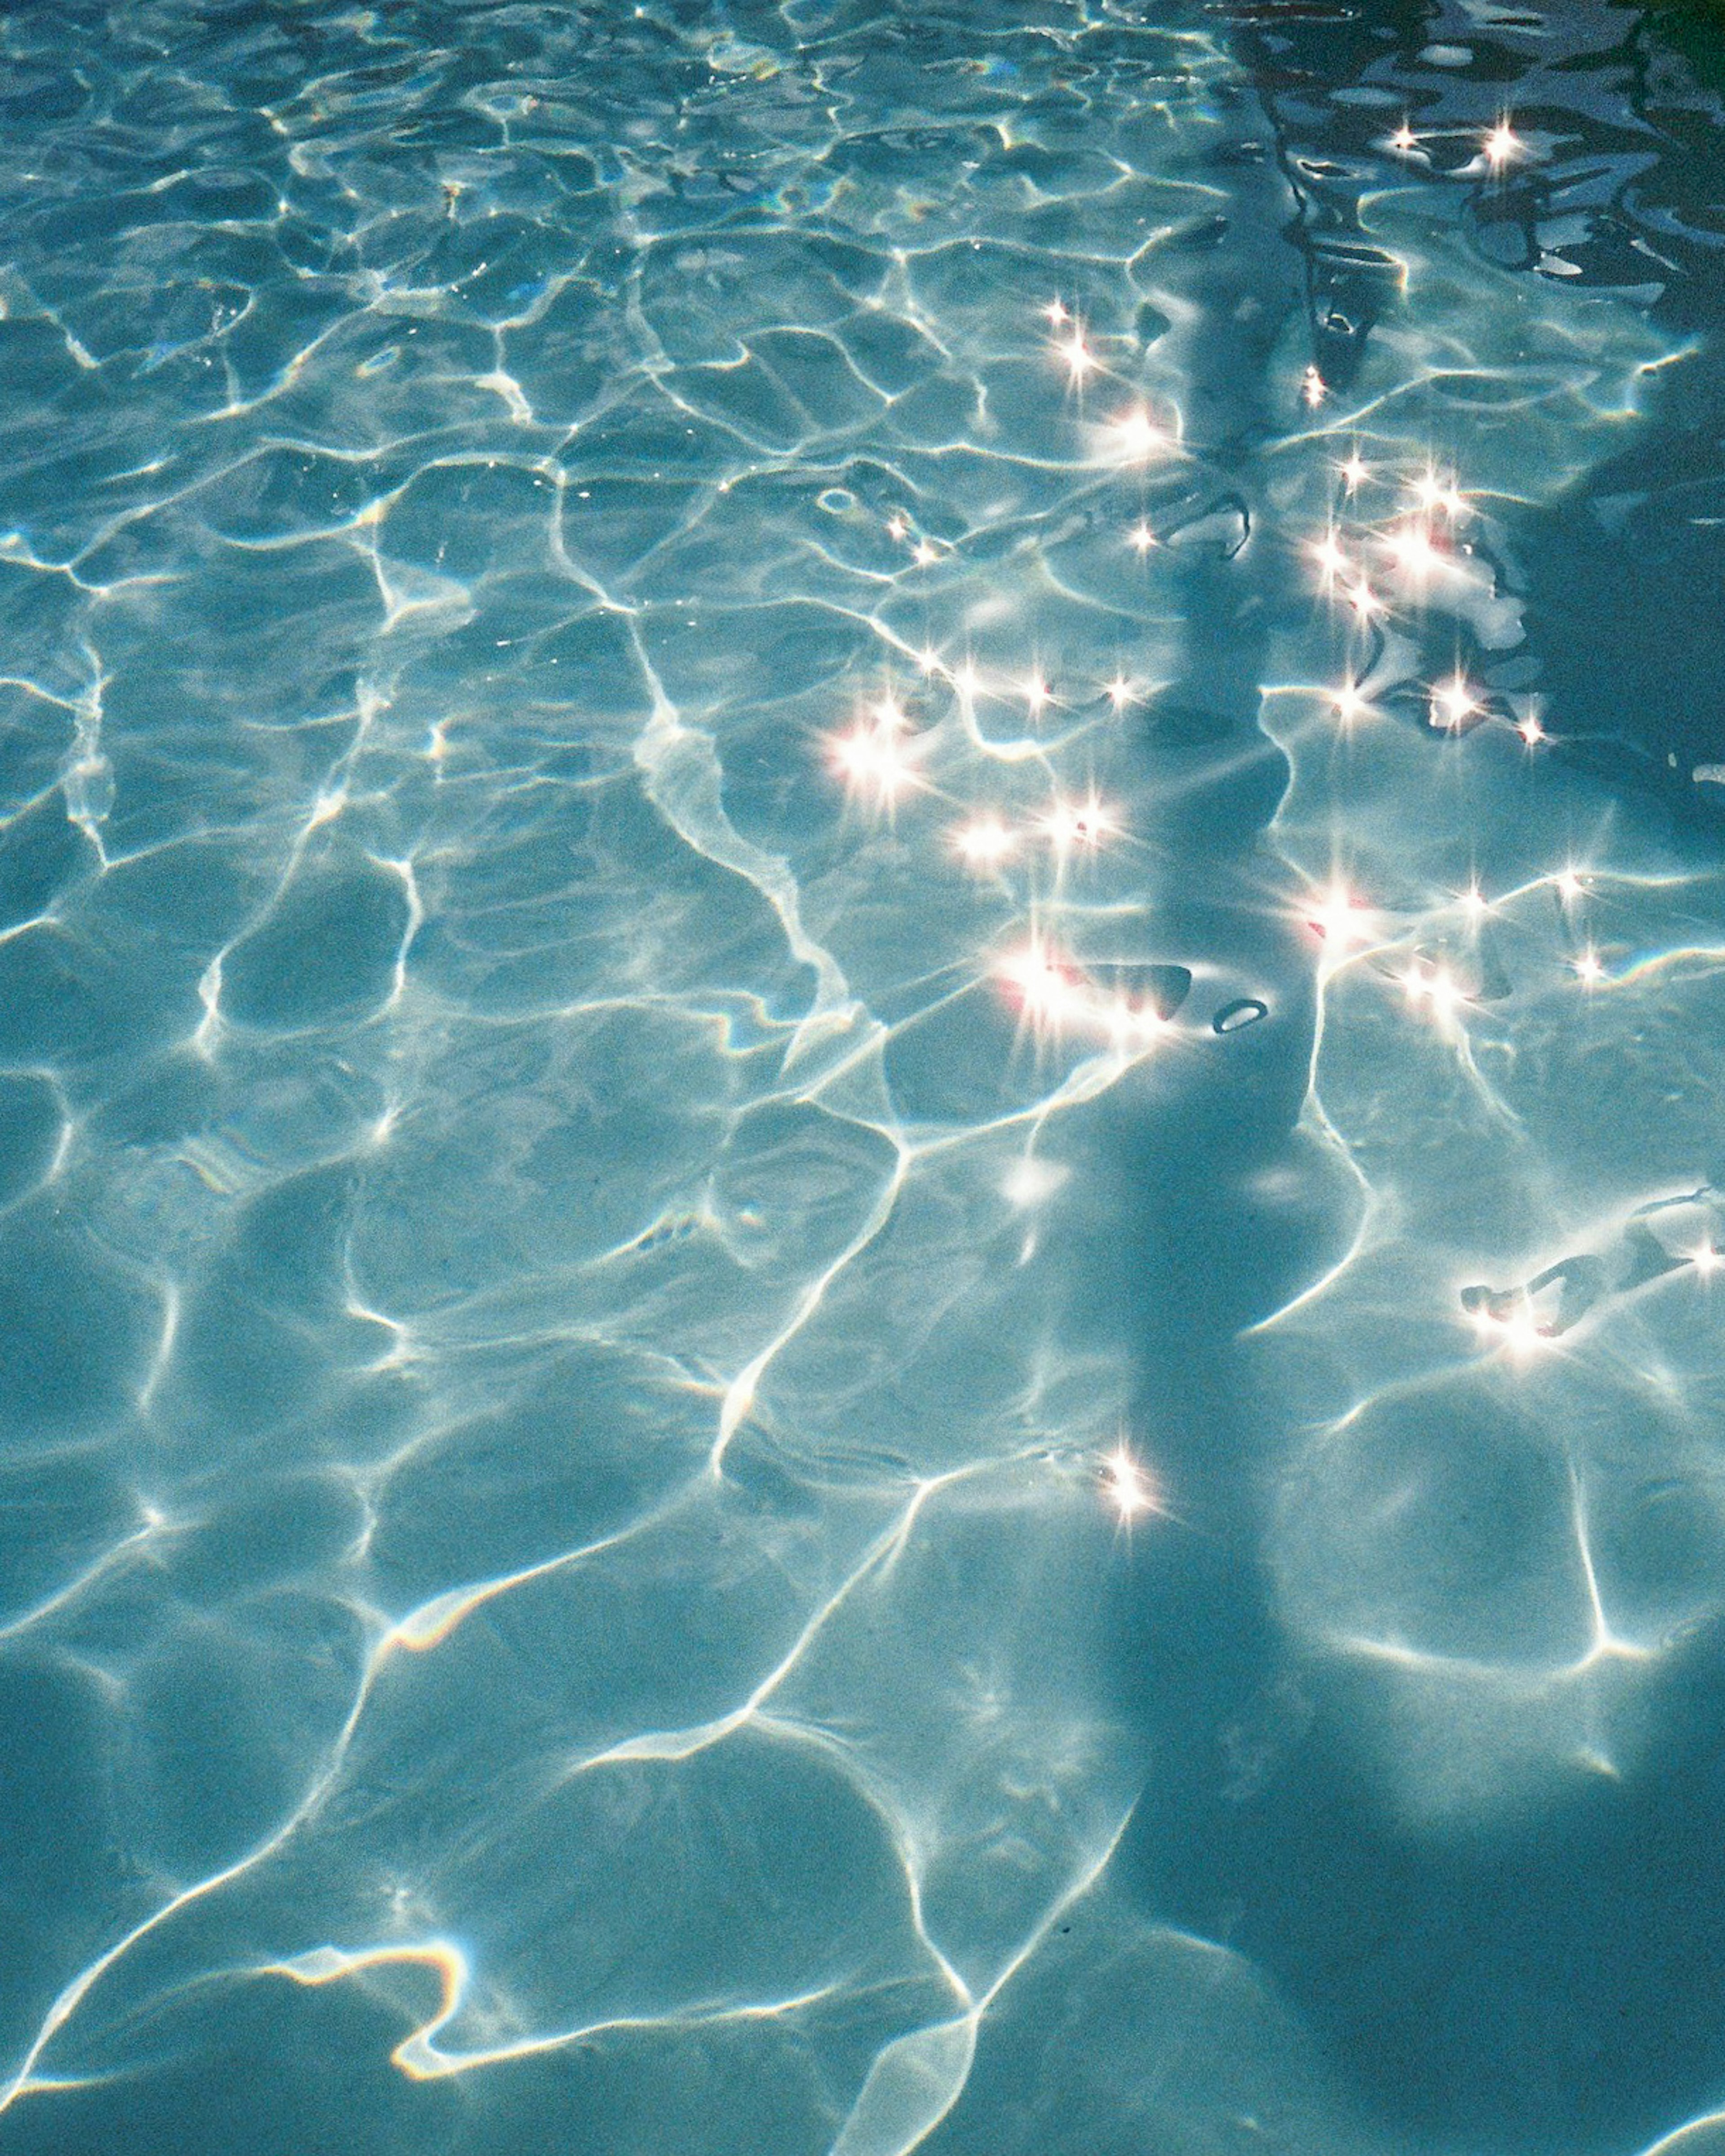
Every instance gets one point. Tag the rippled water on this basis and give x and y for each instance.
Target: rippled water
(860, 923)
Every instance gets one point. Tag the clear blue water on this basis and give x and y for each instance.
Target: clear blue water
(861, 917)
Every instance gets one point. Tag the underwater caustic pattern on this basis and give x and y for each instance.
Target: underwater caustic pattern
(859, 1118)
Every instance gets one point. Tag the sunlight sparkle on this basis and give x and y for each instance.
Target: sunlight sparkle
(1453, 703)
(1332, 561)
(1048, 989)
(1340, 918)
(1364, 601)
(1030, 1181)
(1080, 359)
(1502, 146)
(1128, 1489)
(984, 842)
(1133, 435)
(1437, 988)
(1521, 1333)
(877, 757)
(1433, 491)
(1074, 823)
(1349, 702)
(1414, 551)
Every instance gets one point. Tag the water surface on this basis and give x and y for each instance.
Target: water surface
(861, 912)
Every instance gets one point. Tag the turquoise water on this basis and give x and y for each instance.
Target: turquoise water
(861, 912)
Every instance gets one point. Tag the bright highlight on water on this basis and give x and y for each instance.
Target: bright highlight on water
(862, 919)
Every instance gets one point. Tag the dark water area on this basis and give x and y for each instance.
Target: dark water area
(861, 923)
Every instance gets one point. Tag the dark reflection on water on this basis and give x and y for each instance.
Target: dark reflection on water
(1625, 570)
(1549, 1980)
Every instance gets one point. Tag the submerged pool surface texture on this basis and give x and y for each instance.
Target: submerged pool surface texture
(861, 913)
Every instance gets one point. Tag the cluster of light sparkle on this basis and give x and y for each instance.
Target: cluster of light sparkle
(924, 550)
(985, 841)
(1055, 995)
(1417, 544)
(1499, 147)
(1350, 927)
(1434, 989)
(1132, 434)
(880, 757)
(1417, 550)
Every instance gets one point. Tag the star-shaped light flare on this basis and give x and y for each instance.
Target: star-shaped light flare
(1331, 558)
(1079, 359)
(1435, 491)
(1364, 601)
(1074, 826)
(1434, 989)
(1055, 995)
(1127, 1487)
(1134, 437)
(1416, 553)
(1517, 1330)
(1453, 702)
(877, 757)
(984, 843)
(1048, 989)
(1503, 146)
(1342, 920)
